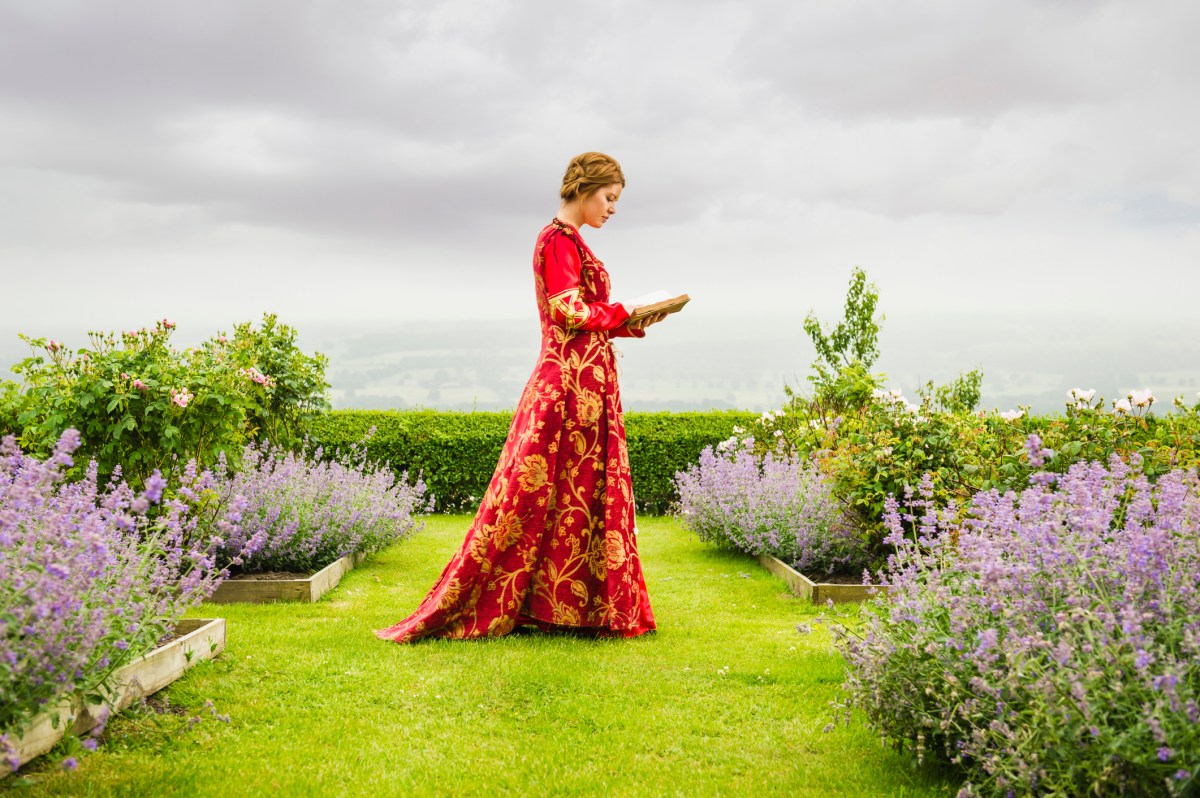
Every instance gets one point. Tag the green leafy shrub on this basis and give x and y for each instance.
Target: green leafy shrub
(874, 452)
(10, 397)
(872, 443)
(456, 453)
(295, 391)
(141, 404)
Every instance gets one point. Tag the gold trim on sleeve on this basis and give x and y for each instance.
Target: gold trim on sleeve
(569, 308)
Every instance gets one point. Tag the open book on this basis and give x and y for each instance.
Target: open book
(656, 302)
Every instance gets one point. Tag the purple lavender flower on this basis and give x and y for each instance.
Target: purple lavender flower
(89, 577)
(295, 512)
(1047, 641)
(1033, 447)
(779, 505)
(154, 487)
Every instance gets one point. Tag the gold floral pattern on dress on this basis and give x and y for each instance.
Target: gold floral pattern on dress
(616, 552)
(597, 556)
(534, 473)
(501, 625)
(566, 615)
(588, 407)
(506, 531)
(450, 597)
(477, 547)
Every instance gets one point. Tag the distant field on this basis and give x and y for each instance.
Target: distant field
(700, 363)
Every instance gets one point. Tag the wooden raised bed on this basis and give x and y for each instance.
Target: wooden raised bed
(196, 640)
(818, 592)
(265, 591)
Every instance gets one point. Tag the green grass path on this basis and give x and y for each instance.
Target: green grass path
(725, 699)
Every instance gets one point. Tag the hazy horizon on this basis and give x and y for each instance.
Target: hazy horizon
(697, 362)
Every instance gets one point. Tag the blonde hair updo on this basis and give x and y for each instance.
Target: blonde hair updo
(589, 172)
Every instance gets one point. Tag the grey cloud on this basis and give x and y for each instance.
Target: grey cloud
(975, 60)
(119, 93)
(777, 142)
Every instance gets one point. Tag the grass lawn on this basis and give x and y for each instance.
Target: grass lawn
(725, 699)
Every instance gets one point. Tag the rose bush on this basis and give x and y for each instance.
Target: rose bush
(141, 404)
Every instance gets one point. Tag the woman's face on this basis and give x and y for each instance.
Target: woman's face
(601, 204)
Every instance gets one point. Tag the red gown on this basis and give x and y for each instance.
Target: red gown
(553, 544)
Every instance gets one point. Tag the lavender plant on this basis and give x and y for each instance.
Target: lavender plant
(775, 504)
(1048, 645)
(304, 512)
(90, 576)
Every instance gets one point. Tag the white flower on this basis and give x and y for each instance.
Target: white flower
(738, 430)
(767, 417)
(1078, 395)
(914, 409)
(1122, 406)
(778, 433)
(894, 396)
(1012, 415)
(1142, 398)
(815, 424)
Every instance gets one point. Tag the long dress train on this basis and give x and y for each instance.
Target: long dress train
(553, 542)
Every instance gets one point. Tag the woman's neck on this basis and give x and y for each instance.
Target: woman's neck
(571, 214)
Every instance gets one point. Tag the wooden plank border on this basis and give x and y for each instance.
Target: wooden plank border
(197, 640)
(818, 592)
(307, 589)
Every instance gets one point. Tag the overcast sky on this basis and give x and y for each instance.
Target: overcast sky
(344, 161)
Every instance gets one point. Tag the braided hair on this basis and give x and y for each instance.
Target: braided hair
(589, 172)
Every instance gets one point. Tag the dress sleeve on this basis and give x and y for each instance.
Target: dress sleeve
(564, 295)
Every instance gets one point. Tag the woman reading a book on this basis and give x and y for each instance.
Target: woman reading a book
(553, 544)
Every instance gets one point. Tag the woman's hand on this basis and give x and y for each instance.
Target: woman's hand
(646, 321)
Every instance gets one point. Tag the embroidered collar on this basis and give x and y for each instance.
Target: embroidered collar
(566, 227)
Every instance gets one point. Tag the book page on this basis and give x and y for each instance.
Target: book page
(646, 299)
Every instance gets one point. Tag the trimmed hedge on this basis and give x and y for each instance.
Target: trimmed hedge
(456, 453)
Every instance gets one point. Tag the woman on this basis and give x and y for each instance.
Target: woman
(552, 544)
